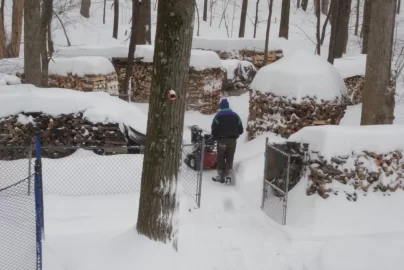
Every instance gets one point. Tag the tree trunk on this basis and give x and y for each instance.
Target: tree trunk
(335, 13)
(271, 3)
(85, 8)
(325, 25)
(324, 6)
(398, 6)
(32, 44)
(305, 3)
(256, 18)
(358, 4)
(2, 32)
(116, 19)
(343, 28)
(243, 18)
(205, 10)
(284, 24)
(367, 12)
(18, 10)
(143, 31)
(46, 18)
(159, 204)
(103, 14)
(318, 37)
(379, 87)
(298, 4)
(316, 7)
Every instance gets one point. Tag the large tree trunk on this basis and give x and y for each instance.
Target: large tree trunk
(46, 18)
(305, 3)
(271, 3)
(205, 10)
(335, 13)
(158, 205)
(324, 6)
(2, 32)
(116, 19)
(85, 8)
(136, 11)
(18, 10)
(32, 42)
(256, 18)
(144, 29)
(379, 88)
(243, 18)
(343, 28)
(284, 24)
(367, 13)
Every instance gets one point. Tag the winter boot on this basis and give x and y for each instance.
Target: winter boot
(220, 178)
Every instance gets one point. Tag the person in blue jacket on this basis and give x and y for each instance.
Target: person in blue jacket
(226, 128)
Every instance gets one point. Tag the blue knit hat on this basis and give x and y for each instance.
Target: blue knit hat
(224, 104)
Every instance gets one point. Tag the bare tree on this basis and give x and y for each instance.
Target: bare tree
(271, 3)
(324, 6)
(343, 28)
(284, 24)
(398, 6)
(85, 8)
(205, 10)
(318, 36)
(243, 18)
(317, 7)
(105, 9)
(256, 18)
(335, 13)
(305, 3)
(298, 4)
(144, 29)
(367, 12)
(116, 19)
(32, 45)
(159, 204)
(197, 13)
(379, 88)
(358, 4)
(18, 9)
(2, 32)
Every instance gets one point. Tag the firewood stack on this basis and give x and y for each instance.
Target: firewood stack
(255, 57)
(283, 116)
(89, 83)
(361, 172)
(64, 130)
(354, 86)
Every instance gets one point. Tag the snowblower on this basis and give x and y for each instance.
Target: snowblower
(193, 160)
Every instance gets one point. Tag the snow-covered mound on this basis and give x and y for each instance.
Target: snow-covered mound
(351, 66)
(97, 107)
(234, 44)
(300, 75)
(6, 79)
(80, 66)
(200, 59)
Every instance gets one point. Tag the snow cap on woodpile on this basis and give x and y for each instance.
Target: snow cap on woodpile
(300, 75)
(351, 66)
(6, 79)
(80, 66)
(97, 107)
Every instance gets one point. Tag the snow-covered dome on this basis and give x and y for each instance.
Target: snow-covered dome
(300, 75)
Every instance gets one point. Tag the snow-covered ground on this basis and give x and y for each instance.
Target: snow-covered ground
(92, 231)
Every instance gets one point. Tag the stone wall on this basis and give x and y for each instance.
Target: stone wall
(354, 86)
(283, 116)
(204, 87)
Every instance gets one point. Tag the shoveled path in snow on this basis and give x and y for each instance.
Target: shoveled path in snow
(225, 233)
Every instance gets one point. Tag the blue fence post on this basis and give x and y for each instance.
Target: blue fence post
(39, 160)
(38, 207)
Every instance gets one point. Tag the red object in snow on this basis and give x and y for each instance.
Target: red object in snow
(209, 160)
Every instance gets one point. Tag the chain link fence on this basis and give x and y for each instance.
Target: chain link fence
(20, 239)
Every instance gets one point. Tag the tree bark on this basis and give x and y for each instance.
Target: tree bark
(305, 3)
(267, 32)
(324, 6)
(243, 18)
(335, 13)
(144, 33)
(18, 10)
(256, 18)
(343, 28)
(318, 36)
(85, 8)
(379, 88)
(205, 10)
(2, 32)
(284, 24)
(358, 4)
(367, 12)
(298, 4)
(116, 19)
(159, 204)
(398, 6)
(105, 10)
(46, 18)
(316, 7)
(32, 44)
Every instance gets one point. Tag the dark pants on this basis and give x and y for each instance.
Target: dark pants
(225, 155)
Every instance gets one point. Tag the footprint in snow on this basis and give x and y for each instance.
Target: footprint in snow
(228, 205)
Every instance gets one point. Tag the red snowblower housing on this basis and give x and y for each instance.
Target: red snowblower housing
(193, 160)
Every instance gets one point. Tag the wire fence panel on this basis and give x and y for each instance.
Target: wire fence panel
(191, 171)
(276, 184)
(19, 241)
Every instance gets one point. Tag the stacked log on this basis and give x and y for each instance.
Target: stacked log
(64, 130)
(358, 172)
(285, 116)
(255, 57)
(354, 87)
(88, 83)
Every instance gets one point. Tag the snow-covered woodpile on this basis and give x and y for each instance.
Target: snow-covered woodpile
(255, 57)
(205, 79)
(336, 167)
(288, 95)
(354, 86)
(239, 74)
